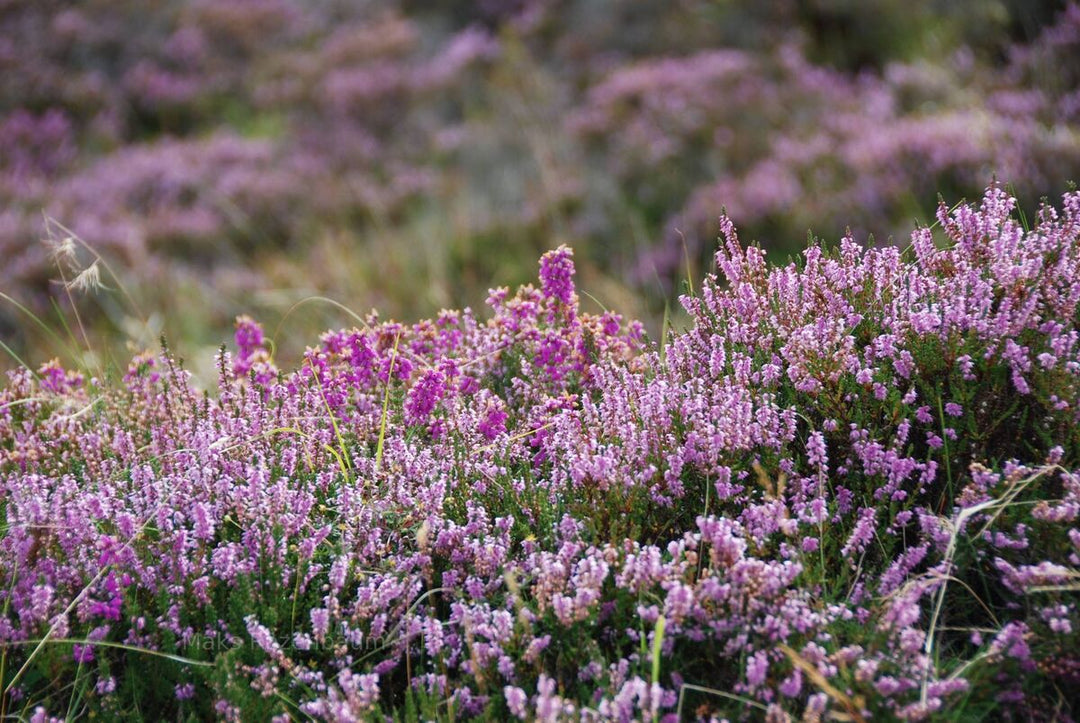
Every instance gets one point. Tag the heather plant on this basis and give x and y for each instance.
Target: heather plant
(846, 490)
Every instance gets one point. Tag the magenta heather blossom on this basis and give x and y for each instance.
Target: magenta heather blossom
(494, 419)
(249, 336)
(424, 395)
(557, 275)
(252, 355)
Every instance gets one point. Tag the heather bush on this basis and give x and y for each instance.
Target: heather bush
(846, 490)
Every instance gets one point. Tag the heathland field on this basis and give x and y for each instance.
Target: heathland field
(672, 471)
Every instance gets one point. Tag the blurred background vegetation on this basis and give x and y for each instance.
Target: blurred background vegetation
(216, 158)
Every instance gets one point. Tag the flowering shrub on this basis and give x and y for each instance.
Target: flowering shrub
(848, 490)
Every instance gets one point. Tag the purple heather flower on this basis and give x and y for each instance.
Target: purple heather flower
(557, 275)
(816, 452)
(516, 700)
(249, 336)
(792, 685)
(320, 623)
(861, 535)
(757, 667)
(262, 637)
(424, 396)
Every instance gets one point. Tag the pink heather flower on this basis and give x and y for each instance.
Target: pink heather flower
(953, 409)
(888, 686)
(904, 365)
(815, 706)
(557, 275)
(56, 379)
(679, 602)
(516, 700)
(816, 453)
(262, 637)
(493, 422)
(424, 396)
(757, 668)
(53, 377)
(248, 336)
(862, 534)
(966, 365)
(865, 670)
(537, 646)
(204, 525)
(792, 685)
(550, 707)
(320, 623)
(1046, 360)
(41, 598)
(1012, 640)
(363, 690)
(610, 322)
(185, 691)
(945, 688)
(339, 571)
(251, 352)
(41, 716)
